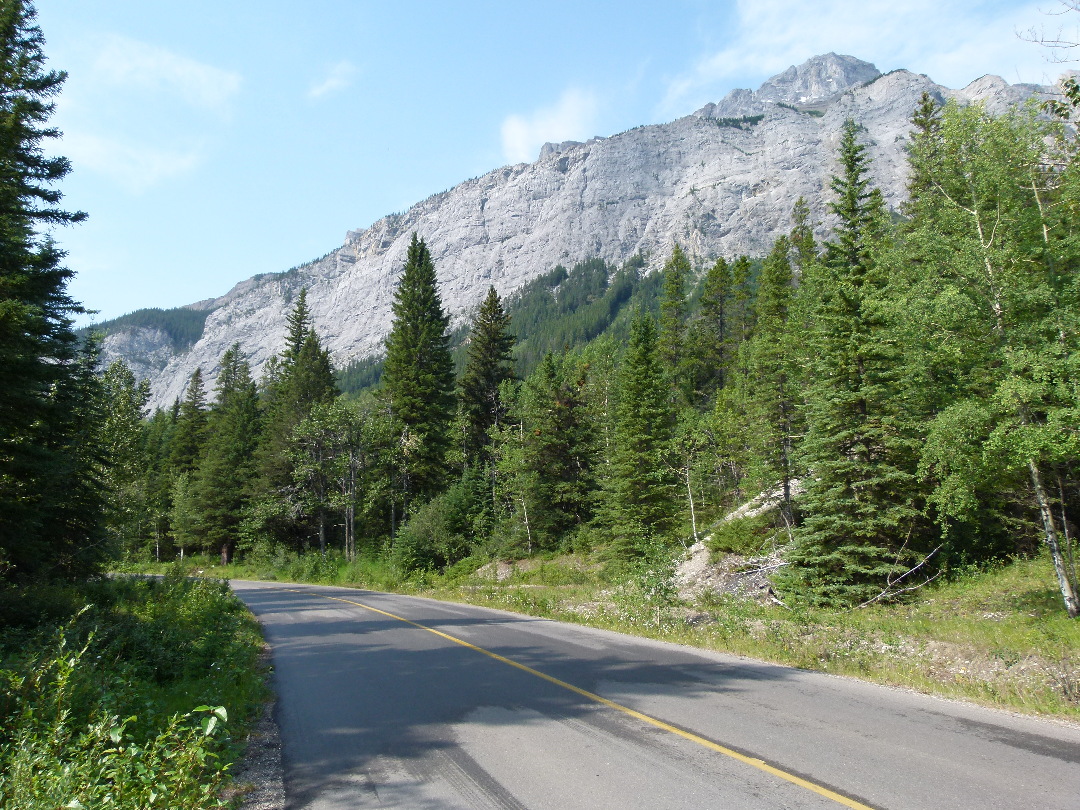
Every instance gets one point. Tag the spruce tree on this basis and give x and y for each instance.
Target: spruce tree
(642, 484)
(557, 464)
(222, 483)
(39, 358)
(769, 398)
(488, 365)
(708, 351)
(189, 435)
(418, 376)
(861, 500)
(672, 339)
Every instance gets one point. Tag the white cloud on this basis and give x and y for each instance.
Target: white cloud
(130, 63)
(572, 117)
(134, 167)
(954, 43)
(339, 77)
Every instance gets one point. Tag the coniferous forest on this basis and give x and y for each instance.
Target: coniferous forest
(905, 390)
(900, 397)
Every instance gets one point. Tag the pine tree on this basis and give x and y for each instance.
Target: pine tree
(38, 349)
(556, 476)
(418, 375)
(641, 485)
(223, 481)
(189, 435)
(861, 501)
(488, 365)
(300, 378)
(708, 351)
(672, 340)
(768, 398)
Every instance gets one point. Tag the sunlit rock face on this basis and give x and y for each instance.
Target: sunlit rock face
(719, 182)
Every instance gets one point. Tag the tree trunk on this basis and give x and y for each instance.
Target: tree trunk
(1068, 593)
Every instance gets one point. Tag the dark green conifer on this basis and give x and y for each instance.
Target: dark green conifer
(189, 435)
(418, 375)
(223, 481)
(861, 500)
(642, 484)
(38, 350)
(488, 365)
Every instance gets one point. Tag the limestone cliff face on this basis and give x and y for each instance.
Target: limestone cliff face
(713, 183)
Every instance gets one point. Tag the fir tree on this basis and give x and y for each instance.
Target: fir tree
(642, 486)
(189, 435)
(488, 365)
(672, 339)
(418, 375)
(861, 501)
(223, 481)
(38, 350)
(707, 338)
(558, 448)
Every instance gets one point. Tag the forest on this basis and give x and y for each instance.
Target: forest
(903, 394)
(907, 390)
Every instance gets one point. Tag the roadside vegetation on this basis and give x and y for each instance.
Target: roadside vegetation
(124, 692)
(995, 635)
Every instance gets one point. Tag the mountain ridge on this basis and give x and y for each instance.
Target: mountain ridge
(719, 181)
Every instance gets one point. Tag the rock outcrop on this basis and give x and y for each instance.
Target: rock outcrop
(721, 181)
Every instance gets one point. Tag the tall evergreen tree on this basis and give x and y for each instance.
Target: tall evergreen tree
(418, 375)
(642, 485)
(672, 339)
(556, 475)
(769, 397)
(708, 350)
(488, 365)
(861, 501)
(189, 434)
(38, 353)
(222, 483)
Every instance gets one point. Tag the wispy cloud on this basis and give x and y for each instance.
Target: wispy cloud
(953, 43)
(571, 117)
(127, 62)
(134, 167)
(339, 77)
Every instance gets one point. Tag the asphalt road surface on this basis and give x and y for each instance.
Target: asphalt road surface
(395, 701)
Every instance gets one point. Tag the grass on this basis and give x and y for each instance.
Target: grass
(127, 692)
(997, 636)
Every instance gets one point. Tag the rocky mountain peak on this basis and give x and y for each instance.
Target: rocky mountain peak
(817, 80)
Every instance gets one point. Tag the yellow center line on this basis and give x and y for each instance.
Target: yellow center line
(761, 765)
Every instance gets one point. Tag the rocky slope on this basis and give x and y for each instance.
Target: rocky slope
(721, 181)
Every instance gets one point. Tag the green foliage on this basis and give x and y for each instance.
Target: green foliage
(743, 122)
(89, 704)
(418, 378)
(642, 493)
(489, 365)
(747, 536)
(183, 325)
(51, 506)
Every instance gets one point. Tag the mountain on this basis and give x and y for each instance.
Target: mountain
(721, 181)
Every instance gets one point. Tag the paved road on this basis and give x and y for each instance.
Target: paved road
(494, 710)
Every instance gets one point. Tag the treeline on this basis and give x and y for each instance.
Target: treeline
(907, 391)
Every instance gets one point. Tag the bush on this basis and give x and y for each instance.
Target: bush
(748, 536)
(96, 709)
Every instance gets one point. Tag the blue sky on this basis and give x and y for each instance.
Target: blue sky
(215, 140)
